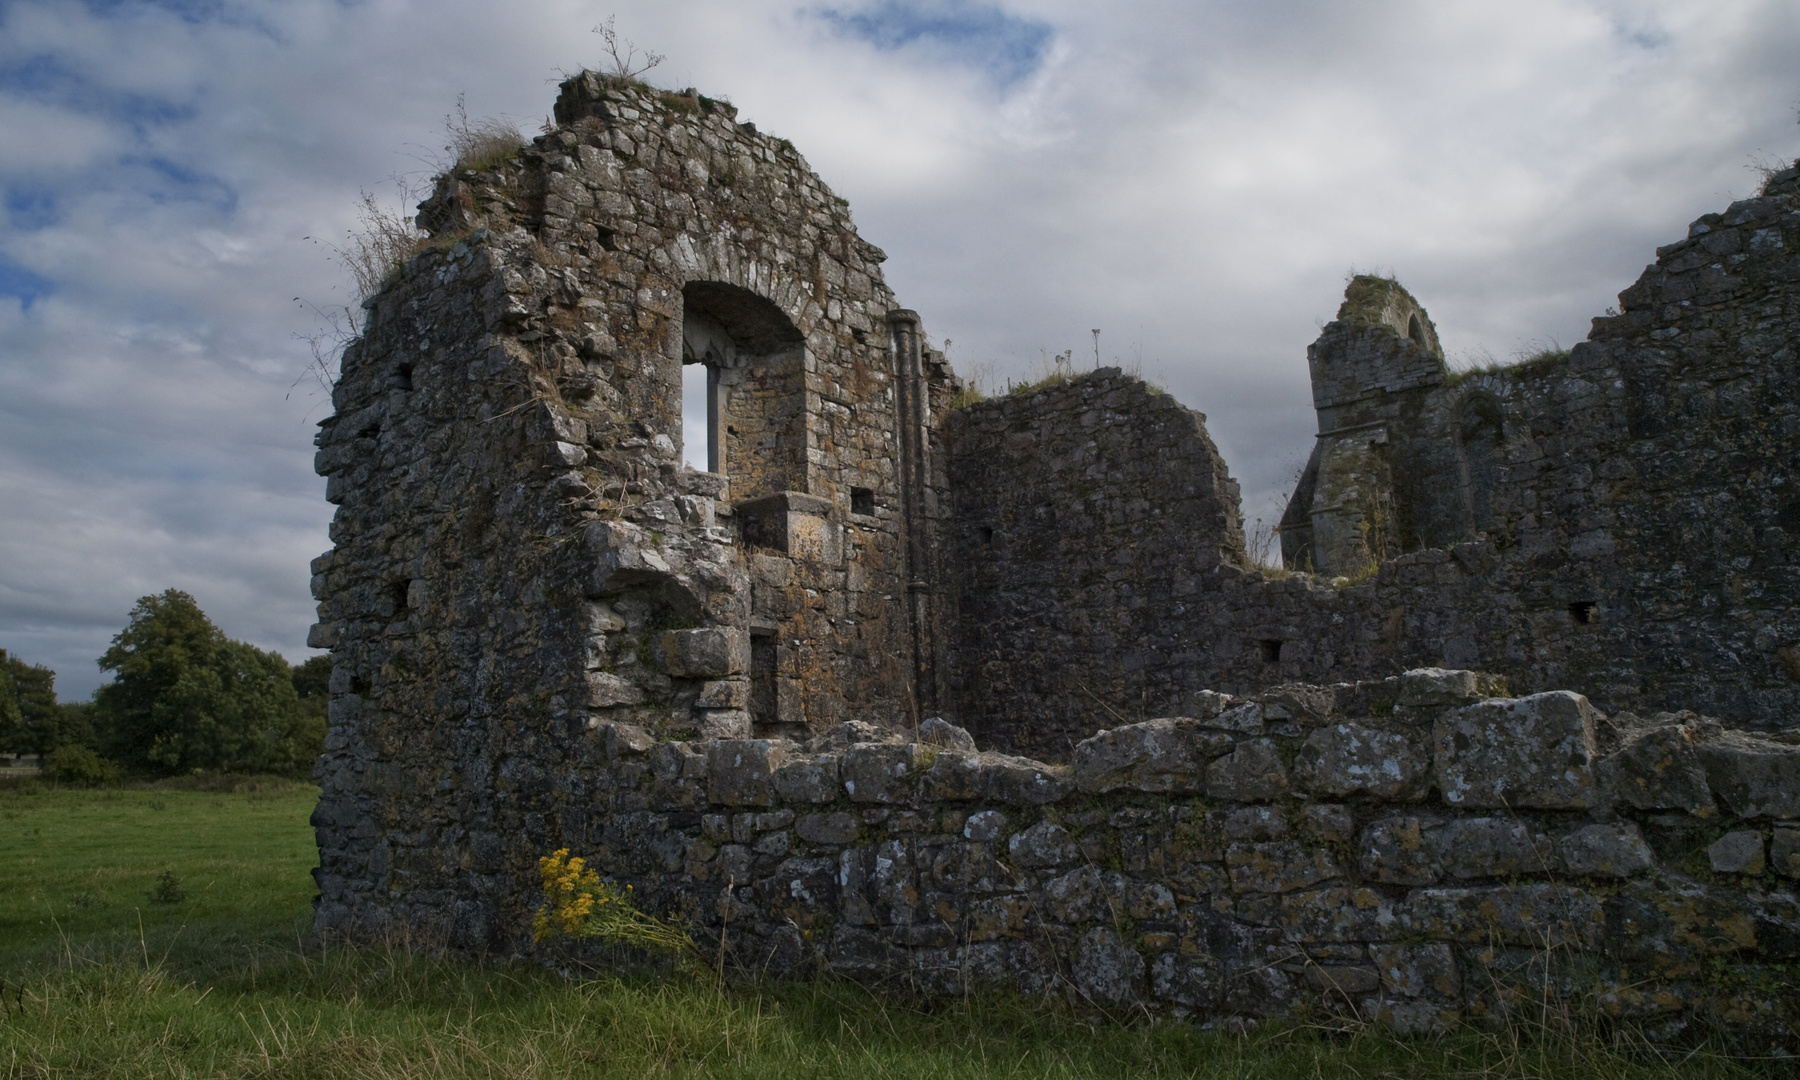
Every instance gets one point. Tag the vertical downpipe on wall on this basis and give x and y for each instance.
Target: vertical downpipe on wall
(912, 417)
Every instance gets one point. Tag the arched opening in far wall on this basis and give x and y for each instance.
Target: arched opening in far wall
(743, 389)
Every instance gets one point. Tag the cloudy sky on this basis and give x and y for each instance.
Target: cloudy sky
(1193, 178)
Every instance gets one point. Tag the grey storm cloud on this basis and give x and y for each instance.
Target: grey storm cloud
(1195, 179)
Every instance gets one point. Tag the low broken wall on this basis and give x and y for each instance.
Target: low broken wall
(1405, 850)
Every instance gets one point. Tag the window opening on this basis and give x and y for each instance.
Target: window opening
(1415, 331)
(1271, 651)
(1584, 612)
(754, 393)
(697, 449)
(862, 500)
(403, 379)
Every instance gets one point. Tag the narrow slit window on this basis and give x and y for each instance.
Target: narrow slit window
(696, 432)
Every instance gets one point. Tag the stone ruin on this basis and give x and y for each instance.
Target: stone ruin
(922, 688)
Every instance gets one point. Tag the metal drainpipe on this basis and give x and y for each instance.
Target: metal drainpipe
(912, 417)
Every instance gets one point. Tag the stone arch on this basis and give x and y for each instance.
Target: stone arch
(756, 385)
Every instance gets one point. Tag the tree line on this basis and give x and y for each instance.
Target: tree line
(184, 698)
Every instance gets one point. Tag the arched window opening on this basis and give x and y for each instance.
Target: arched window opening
(1415, 331)
(743, 389)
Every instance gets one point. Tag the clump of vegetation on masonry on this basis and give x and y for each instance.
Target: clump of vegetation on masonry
(1366, 297)
(1527, 363)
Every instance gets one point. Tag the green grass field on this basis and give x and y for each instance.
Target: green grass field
(101, 978)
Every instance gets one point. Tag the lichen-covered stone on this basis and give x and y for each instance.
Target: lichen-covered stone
(1278, 867)
(1657, 767)
(1417, 970)
(1532, 915)
(1784, 850)
(742, 771)
(1107, 971)
(1043, 845)
(1169, 754)
(1739, 852)
(709, 652)
(1252, 772)
(1437, 687)
(1753, 776)
(808, 780)
(1359, 759)
(1491, 847)
(1393, 851)
(1532, 752)
(1613, 849)
(834, 828)
(881, 772)
(1020, 781)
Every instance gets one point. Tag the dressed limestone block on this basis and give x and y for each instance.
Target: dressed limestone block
(1532, 752)
(882, 772)
(1043, 845)
(1532, 916)
(1358, 759)
(1613, 849)
(1393, 851)
(1738, 852)
(1753, 776)
(809, 780)
(1657, 767)
(1020, 781)
(1438, 686)
(1168, 754)
(1252, 772)
(1107, 970)
(742, 771)
(1491, 847)
(709, 653)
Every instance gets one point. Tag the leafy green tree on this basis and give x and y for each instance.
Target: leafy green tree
(184, 697)
(11, 719)
(30, 721)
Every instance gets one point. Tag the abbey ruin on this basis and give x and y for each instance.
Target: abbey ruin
(949, 692)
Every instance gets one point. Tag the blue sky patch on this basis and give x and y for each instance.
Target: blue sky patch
(983, 36)
(31, 206)
(17, 281)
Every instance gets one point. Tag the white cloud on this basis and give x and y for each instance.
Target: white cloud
(1195, 179)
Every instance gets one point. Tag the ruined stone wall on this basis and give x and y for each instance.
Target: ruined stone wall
(1617, 520)
(1089, 518)
(1407, 851)
(520, 555)
(1635, 491)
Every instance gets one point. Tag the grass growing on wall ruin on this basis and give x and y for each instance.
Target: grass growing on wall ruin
(220, 982)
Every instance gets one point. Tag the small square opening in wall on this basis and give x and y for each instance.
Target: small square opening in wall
(1584, 612)
(862, 500)
(1271, 651)
(403, 379)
